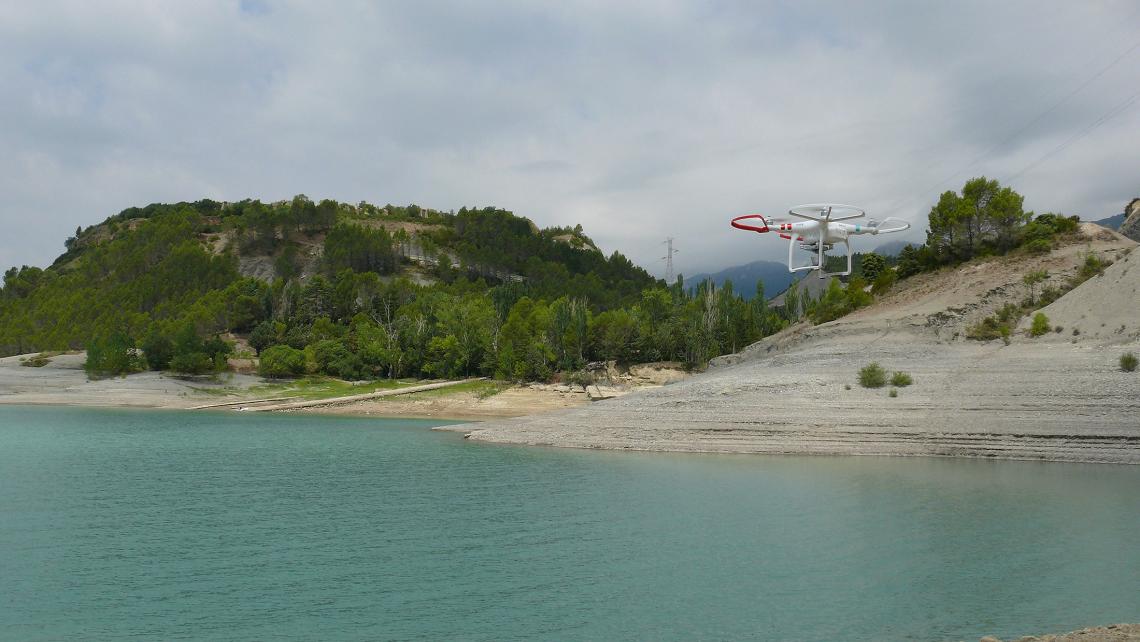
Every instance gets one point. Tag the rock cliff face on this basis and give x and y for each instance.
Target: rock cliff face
(1131, 225)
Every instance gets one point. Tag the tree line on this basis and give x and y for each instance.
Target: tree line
(150, 288)
(157, 288)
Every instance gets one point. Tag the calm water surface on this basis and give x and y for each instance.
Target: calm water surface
(157, 525)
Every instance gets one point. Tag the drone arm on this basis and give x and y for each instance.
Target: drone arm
(845, 217)
(826, 212)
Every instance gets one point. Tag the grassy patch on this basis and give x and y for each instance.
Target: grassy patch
(1128, 362)
(481, 389)
(40, 360)
(997, 326)
(872, 376)
(901, 380)
(325, 387)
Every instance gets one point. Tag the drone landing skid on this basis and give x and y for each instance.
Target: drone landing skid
(818, 265)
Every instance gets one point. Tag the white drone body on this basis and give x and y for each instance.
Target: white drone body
(820, 229)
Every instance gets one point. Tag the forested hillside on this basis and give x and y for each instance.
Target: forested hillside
(359, 291)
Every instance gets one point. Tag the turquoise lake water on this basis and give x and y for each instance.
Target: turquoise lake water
(158, 525)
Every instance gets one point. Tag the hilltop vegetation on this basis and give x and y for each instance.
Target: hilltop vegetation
(362, 291)
(983, 220)
(359, 291)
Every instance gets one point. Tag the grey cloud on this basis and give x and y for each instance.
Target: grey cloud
(638, 121)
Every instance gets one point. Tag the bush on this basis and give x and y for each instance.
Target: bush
(1128, 362)
(158, 349)
(113, 354)
(580, 378)
(194, 355)
(1040, 325)
(1009, 313)
(985, 330)
(38, 361)
(281, 361)
(893, 393)
(192, 363)
(872, 376)
(901, 379)
(336, 360)
(884, 281)
(1093, 266)
(997, 326)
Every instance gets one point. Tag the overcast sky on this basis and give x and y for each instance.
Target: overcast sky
(639, 120)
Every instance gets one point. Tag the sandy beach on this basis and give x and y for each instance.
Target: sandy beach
(63, 382)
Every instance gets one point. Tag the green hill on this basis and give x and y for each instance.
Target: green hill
(357, 291)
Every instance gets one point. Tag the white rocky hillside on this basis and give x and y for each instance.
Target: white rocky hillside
(1060, 397)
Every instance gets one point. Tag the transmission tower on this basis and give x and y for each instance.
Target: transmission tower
(668, 258)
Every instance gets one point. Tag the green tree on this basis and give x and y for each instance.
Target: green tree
(281, 361)
(1031, 280)
(332, 357)
(945, 232)
(158, 350)
(265, 334)
(113, 354)
(287, 265)
(613, 336)
(1006, 217)
(873, 265)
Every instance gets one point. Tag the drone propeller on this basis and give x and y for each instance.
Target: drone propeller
(888, 225)
(740, 225)
(826, 212)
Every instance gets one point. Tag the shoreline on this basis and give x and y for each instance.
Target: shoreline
(968, 401)
(761, 403)
(63, 383)
(1057, 397)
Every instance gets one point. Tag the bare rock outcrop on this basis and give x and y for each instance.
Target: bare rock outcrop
(1131, 225)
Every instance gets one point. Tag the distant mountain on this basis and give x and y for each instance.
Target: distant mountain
(775, 276)
(892, 248)
(1112, 222)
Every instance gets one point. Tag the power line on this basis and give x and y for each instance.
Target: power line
(1104, 118)
(990, 150)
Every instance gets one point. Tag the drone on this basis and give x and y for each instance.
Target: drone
(820, 230)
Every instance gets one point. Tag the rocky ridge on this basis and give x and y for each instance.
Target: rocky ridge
(1131, 225)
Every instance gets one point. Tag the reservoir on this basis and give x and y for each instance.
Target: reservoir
(118, 524)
